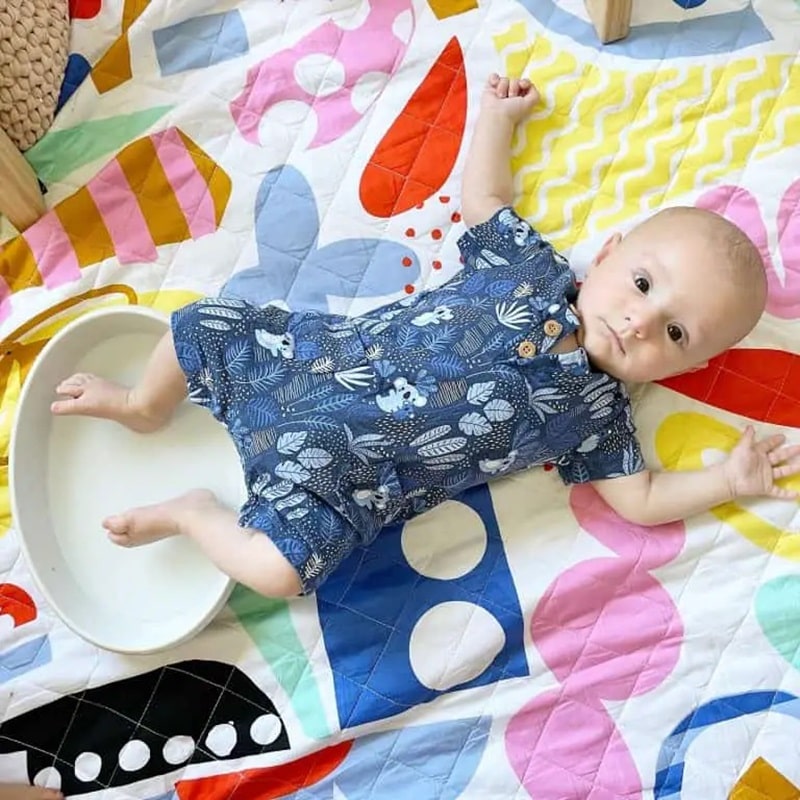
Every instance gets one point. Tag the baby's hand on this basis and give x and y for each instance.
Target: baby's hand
(754, 466)
(509, 97)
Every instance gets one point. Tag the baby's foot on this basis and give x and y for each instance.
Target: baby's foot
(150, 523)
(19, 791)
(91, 396)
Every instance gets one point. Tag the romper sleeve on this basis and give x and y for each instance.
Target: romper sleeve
(504, 239)
(611, 453)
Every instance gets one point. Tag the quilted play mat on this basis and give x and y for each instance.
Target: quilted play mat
(521, 641)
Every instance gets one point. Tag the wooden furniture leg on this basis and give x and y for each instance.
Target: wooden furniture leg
(611, 18)
(20, 196)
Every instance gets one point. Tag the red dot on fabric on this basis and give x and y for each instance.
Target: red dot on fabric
(420, 205)
(437, 264)
(547, 467)
(456, 217)
(407, 262)
(410, 232)
(409, 289)
(444, 198)
(436, 233)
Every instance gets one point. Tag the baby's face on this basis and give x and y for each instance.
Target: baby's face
(656, 305)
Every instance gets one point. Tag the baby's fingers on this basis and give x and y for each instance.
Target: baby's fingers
(501, 88)
(782, 494)
(782, 455)
(786, 470)
(769, 444)
(515, 89)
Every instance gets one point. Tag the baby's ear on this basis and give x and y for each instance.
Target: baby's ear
(609, 246)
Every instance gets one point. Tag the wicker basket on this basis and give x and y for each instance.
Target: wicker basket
(34, 44)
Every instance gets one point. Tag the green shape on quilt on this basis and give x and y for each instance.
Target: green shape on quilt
(776, 609)
(58, 153)
(269, 624)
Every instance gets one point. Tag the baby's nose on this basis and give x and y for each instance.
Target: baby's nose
(641, 322)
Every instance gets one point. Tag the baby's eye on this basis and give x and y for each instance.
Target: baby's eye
(642, 284)
(675, 332)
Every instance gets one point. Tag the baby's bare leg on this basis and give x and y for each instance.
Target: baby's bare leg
(145, 407)
(20, 791)
(248, 556)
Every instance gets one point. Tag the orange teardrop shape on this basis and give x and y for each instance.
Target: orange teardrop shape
(417, 154)
(267, 782)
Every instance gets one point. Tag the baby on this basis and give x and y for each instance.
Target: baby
(345, 426)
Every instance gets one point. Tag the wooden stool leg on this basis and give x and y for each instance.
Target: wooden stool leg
(611, 18)
(20, 196)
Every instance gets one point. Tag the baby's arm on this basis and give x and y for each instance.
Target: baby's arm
(487, 183)
(751, 470)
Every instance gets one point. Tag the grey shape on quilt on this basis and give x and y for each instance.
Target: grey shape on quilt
(293, 268)
(146, 726)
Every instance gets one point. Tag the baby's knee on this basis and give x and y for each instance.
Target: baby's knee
(285, 581)
(269, 572)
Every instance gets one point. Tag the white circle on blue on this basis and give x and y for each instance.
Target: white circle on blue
(446, 542)
(453, 643)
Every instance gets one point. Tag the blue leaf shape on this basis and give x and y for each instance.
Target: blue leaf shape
(261, 412)
(328, 524)
(384, 368)
(188, 356)
(501, 288)
(448, 365)
(292, 268)
(264, 376)
(238, 355)
(307, 351)
(428, 762)
(408, 336)
(475, 283)
(436, 341)
(335, 402)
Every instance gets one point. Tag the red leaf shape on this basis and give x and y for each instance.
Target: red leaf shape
(17, 603)
(268, 782)
(763, 385)
(417, 154)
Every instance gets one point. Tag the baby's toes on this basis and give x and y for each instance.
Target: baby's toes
(117, 525)
(74, 383)
(121, 539)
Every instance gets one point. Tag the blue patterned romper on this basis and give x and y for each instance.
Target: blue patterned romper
(345, 425)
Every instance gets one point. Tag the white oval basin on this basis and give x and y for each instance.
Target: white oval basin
(67, 473)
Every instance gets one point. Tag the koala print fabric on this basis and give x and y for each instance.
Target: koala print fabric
(347, 425)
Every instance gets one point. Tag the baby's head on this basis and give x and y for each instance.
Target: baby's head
(680, 288)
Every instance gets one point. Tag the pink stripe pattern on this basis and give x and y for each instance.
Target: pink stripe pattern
(188, 184)
(52, 251)
(122, 215)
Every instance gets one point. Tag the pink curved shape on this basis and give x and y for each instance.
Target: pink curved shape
(789, 235)
(741, 207)
(641, 547)
(372, 47)
(565, 746)
(607, 630)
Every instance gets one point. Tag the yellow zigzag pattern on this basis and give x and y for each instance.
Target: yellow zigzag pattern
(609, 144)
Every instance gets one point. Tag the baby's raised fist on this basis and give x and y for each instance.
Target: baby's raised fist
(513, 98)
